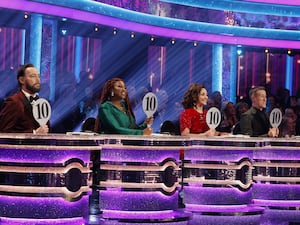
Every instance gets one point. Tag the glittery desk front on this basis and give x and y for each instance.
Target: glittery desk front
(276, 181)
(217, 181)
(45, 179)
(140, 180)
(159, 179)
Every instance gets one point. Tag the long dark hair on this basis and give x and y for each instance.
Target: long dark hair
(191, 95)
(106, 94)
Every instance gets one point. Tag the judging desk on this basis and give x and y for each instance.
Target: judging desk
(80, 178)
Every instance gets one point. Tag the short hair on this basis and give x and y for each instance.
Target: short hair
(21, 71)
(254, 90)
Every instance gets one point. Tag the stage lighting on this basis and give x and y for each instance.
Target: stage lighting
(63, 32)
(239, 51)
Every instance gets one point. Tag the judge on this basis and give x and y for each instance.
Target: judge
(16, 114)
(115, 112)
(255, 121)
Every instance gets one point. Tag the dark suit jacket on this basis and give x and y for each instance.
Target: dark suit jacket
(255, 123)
(16, 115)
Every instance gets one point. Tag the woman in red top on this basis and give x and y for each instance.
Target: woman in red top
(193, 118)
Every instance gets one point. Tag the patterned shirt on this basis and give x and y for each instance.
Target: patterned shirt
(194, 121)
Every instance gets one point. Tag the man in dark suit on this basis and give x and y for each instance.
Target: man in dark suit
(16, 114)
(255, 122)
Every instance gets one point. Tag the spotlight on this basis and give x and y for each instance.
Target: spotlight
(173, 42)
(115, 31)
(96, 28)
(152, 38)
(63, 32)
(195, 44)
(132, 35)
(266, 50)
(26, 15)
(239, 51)
(289, 52)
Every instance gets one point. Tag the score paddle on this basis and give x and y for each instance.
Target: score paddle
(213, 117)
(41, 110)
(275, 117)
(150, 104)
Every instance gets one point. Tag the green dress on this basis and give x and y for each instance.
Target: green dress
(114, 121)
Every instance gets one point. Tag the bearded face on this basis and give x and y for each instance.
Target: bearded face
(30, 82)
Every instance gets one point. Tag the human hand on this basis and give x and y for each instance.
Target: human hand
(43, 129)
(211, 132)
(273, 132)
(147, 131)
(149, 121)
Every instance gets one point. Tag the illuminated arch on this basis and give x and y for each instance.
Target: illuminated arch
(96, 12)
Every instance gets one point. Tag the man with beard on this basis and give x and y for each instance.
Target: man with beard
(16, 114)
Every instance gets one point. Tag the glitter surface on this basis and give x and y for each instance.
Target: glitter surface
(133, 204)
(137, 201)
(207, 196)
(42, 208)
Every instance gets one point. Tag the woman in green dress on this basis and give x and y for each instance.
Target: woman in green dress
(115, 113)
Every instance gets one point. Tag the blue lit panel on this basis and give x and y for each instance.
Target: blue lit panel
(242, 6)
(91, 11)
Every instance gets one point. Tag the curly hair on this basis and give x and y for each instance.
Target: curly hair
(106, 93)
(191, 95)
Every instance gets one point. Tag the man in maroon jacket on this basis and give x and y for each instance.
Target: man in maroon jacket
(16, 114)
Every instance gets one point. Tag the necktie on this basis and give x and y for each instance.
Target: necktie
(31, 98)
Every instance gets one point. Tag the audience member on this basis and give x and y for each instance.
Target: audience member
(115, 112)
(217, 97)
(288, 125)
(293, 103)
(228, 117)
(210, 103)
(283, 97)
(16, 114)
(240, 108)
(271, 103)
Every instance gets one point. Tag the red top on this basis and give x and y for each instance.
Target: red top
(194, 121)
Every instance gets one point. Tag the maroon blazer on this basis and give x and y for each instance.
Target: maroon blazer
(16, 115)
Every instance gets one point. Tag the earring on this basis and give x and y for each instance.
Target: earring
(112, 94)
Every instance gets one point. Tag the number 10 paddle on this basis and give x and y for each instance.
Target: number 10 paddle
(150, 104)
(41, 110)
(213, 117)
